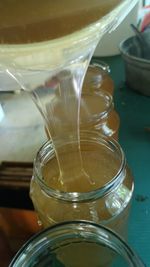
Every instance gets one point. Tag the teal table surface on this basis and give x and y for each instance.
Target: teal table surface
(134, 137)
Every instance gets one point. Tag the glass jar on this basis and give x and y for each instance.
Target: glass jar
(106, 201)
(97, 106)
(97, 113)
(76, 244)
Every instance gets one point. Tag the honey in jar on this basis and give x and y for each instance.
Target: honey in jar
(105, 201)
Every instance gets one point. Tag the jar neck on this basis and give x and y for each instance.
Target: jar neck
(95, 76)
(47, 153)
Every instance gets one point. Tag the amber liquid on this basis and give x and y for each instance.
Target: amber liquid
(35, 20)
(98, 162)
(85, 254)
(102, 165)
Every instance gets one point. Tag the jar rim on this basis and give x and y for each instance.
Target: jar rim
(83, 230)
(82, 196)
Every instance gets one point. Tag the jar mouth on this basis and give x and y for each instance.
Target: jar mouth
(99, 115)
(47, 150)
(101, 66)
(72, 231)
